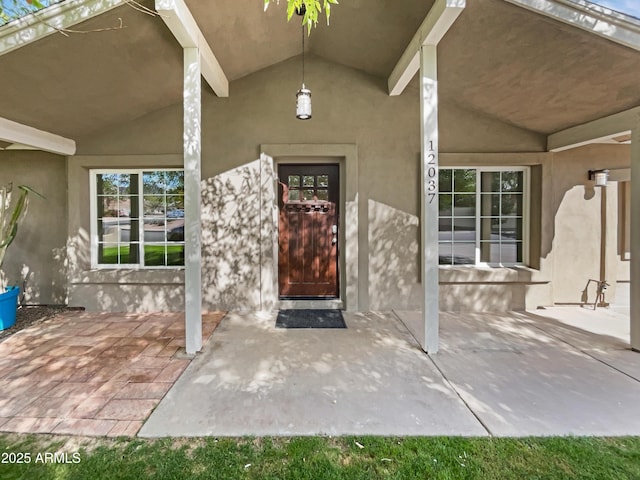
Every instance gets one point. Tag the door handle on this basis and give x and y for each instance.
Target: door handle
(334, 229)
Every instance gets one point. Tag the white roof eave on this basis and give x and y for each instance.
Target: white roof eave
(53, 19)
(593, 18)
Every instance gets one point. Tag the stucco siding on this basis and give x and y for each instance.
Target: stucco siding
(584, 247)
(231, 251)
(37, 257)
(350, 107)
(109, 289)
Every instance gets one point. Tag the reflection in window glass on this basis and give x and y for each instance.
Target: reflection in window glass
(445, 253)
(155, 255)
(511, 181)
(294, 181)
(154, 205)
(481, 214)
(109, 253)
(464, 181)
(294, 195)
(511, 205)
(323, 195)
(308, 181)
(153, 183)
(323, 181)
(307, 195)
(444, 205)
(445, 180)
(117, 254)
(155, 230)
(490, 204)
(465, 205)
(464, 254)
(109, 206)
(139, 214)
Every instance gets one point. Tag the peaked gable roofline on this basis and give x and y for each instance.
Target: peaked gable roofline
(602, 21)
(53, 19)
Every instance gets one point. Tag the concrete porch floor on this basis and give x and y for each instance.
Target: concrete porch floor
(506, 374)
(529, 373)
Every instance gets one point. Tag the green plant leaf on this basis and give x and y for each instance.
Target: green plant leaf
(9, 220)
(312, 13)
(291, 8)
(30, 190)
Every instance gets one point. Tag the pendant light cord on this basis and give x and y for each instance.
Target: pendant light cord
(303, 54)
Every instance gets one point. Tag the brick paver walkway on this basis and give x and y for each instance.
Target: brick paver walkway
(84, 373)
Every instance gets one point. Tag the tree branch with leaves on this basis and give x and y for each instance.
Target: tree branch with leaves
(312, 10)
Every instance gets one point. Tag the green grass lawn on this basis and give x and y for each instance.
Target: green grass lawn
(320, 458)
(154, 255)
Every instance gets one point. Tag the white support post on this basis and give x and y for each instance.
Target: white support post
(635, 238)
(192, 197)
(429, 133)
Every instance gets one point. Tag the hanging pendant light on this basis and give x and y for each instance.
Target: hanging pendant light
(303, 97)
(303, 103)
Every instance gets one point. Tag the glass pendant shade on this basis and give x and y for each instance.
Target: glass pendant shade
(303, 103)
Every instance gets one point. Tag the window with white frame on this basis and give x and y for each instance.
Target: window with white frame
(137, 218)
(483, 216)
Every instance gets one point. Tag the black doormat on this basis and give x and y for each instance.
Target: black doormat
(310, 319)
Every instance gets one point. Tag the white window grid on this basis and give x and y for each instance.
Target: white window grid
(94, 220)
(526, 207)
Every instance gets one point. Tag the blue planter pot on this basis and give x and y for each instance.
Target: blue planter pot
(8, 307)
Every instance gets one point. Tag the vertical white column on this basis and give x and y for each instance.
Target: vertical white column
(192, 201)
(429, 217)
(635, 238)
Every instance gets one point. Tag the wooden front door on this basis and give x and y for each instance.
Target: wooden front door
(308, 230)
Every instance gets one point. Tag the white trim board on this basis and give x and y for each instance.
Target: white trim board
(184, 28)
(47, 21)
(345, 155)
(433, 28)
(595, 131)
(17, 133)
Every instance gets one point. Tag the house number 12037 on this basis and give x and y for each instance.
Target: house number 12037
(432, 172)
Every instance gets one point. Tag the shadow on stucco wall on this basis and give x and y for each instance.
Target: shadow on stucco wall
(394, 258)
(231, 248)
(33, 260)
(577, 215)
(115, 290)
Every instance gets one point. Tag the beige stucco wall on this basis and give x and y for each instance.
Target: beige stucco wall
(578, 214)
(37, 253)
(116, 290)
(350, 107)
(232, 219)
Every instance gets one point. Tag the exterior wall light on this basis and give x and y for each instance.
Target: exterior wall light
(599, 177)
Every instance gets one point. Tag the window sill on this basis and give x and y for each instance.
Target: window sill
(494, 275)
(165, 275)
